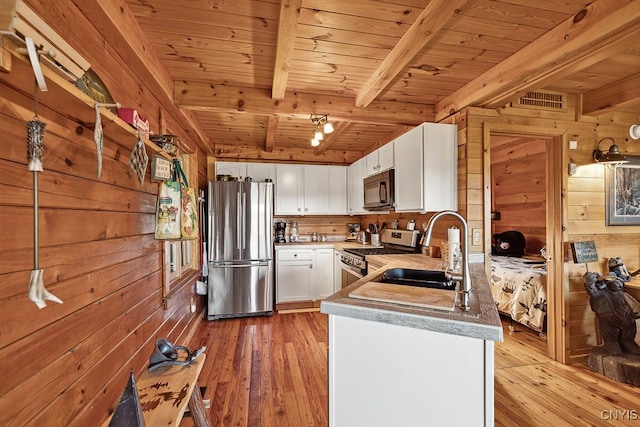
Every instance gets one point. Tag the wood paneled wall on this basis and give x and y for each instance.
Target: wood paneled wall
(67, 364)
(583, 201)
(518, 188)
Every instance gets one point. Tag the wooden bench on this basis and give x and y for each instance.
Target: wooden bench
(166, 392)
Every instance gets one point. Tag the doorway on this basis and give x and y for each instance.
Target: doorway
(545, 231)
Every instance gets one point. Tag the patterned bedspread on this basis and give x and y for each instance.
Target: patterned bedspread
(519, 288)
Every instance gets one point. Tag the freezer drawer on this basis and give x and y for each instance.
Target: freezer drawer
(237, 290)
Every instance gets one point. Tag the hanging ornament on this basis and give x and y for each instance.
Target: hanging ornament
(35, 147)
(98, 137)
(139, 160)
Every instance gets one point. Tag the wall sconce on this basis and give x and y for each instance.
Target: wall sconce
(634, 131)
(611, 157)
(318, 134)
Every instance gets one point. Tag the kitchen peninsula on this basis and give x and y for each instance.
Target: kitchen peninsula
(395, 364)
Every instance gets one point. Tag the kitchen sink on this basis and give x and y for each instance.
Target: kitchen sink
(434, 279)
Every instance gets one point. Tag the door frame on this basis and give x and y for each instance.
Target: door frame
(555, 140)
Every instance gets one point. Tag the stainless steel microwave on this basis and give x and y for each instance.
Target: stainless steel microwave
(379, 191)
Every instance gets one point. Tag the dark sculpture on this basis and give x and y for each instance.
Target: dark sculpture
(616, 311)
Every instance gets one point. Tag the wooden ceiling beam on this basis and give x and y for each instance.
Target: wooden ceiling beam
(200, 96)
(285, 154)
(272, 128)
(425, 27)
(618, 95)
(287, 27)
(338, 129)
(603, 28)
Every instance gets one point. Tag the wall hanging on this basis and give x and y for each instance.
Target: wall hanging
(35, 148)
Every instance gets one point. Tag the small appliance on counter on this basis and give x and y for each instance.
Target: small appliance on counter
(353, 231)
(280, 232)
(293, 233)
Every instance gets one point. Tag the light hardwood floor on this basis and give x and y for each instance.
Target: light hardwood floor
(272, 372)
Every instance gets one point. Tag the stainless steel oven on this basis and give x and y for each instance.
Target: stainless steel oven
(353, 268)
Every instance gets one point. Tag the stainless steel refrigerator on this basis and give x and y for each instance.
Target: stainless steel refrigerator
(240, 251)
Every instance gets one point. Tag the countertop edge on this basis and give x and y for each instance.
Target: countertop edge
(486, 326)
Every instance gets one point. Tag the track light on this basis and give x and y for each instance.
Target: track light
(634, 131)
(318, 134)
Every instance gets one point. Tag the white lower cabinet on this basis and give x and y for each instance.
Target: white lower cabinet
(384, 375)
(337, 271)
(304, 274)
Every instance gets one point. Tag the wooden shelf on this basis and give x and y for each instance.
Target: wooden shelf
(64, 97)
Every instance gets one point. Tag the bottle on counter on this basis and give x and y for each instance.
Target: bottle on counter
(411, 225)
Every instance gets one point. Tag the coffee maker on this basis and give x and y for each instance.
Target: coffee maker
(280, 228)
(354, 230)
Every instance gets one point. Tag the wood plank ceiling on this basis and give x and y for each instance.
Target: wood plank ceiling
(256, 70)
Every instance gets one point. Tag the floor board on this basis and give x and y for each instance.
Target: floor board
(272, 371)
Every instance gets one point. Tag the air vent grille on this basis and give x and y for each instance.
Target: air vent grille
(543, 100)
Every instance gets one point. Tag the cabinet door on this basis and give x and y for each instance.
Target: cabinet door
(295, 275)
(289, 190)
(294, 281)
(316, 190)
(235, 169)
(337, 271)
(386, 157)
(356, 173)
(324, 273)
(409, 179)
(373, 164)
(261, 171)
(338, 190)
(440, 166)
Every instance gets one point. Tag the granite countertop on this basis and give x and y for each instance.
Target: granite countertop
(482, 323)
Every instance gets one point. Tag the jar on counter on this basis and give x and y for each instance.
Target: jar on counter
(293, 232)
(314, 237)
(411, 225)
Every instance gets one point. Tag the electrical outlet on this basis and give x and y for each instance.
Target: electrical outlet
(476, 234)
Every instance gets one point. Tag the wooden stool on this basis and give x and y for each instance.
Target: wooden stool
(166, 392)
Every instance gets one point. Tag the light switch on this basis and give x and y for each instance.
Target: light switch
(573, 145)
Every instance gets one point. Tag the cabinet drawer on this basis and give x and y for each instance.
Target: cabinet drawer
(297, 255)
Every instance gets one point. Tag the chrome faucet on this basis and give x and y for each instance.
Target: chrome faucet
(464, 276)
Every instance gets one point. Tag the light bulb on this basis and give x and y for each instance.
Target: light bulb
(328, 127)
(318, 135)
(315, 142)
(634, 131)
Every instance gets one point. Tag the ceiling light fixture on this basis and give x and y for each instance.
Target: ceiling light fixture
(318, 134)
(612, 157)
(634, 131)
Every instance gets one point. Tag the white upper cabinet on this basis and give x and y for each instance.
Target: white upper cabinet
(426, 179)
(235, 169)
(289, 190)
(311, 190)
(356, 173)
(338, 194)
(261, 171)
(380, 160)
(316, 190)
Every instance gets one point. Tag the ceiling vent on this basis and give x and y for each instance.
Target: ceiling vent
(542, 99)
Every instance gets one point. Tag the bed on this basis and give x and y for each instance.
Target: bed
(519, 289)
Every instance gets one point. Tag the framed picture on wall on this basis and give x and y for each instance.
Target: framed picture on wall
(623, 193)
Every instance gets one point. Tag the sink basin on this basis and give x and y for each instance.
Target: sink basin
(434, 279)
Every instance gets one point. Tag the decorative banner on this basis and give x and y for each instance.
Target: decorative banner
(160, 168)
(139, 160)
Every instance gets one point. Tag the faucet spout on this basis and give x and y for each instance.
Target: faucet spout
(465, 276)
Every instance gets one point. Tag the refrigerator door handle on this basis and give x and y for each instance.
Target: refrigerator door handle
(244, 219)
(239, 223)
